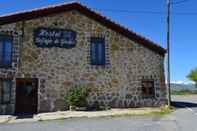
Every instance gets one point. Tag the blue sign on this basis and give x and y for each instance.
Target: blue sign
(48, 37)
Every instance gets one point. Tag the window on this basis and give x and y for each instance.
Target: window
(97, 51)
(5, 51)
(148, 90)
(6, 86)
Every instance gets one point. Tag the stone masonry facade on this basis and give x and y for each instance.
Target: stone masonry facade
(118, 84)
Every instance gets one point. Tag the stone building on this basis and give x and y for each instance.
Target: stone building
(47, 51)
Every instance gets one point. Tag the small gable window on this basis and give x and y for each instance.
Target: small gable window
(6, 86)
(148, 90)
(5, 51)
(97, 51)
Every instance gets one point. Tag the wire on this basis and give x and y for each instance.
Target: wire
(131, 11)
(145, 12)
(184, 13)
(179, 2)
(150, 12)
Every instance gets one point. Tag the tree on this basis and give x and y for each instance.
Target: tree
(193, 76)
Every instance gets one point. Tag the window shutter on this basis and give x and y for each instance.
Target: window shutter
(7, 52)
(101, 53)
(1, 52)
(97, 51)
(148, 89)
(6, 91)
(93, 53)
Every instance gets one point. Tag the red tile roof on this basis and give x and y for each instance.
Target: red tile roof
(40, 12)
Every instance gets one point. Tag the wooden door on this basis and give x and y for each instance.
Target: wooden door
(26, 96)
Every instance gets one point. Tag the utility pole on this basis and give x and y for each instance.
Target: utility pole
(168, 52)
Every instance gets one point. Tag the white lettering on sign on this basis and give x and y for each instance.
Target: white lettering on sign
(47, 37)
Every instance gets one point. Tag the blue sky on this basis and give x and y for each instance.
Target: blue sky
(153, 26)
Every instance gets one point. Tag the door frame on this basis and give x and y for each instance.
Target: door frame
(27, 79)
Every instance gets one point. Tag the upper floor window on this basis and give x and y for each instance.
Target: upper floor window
(148, 90)
(5, 51)
(97, 52)
(6, 86)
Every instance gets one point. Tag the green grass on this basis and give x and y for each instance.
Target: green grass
(164, 110)
(184, 92)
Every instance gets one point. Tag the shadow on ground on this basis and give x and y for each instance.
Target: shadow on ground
(22, 116)
(182, 104)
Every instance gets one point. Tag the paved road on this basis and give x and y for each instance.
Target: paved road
(186, 116)
(184, 119)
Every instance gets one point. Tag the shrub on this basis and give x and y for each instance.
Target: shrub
(77, 97)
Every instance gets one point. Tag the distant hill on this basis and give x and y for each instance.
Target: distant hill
(178, 87)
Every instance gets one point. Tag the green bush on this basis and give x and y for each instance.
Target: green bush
(77, 97)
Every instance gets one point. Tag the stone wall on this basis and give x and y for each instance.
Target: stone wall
(118, 84)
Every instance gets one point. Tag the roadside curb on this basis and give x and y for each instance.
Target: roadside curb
(108, 113)
(5, 119)
(59, 115)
